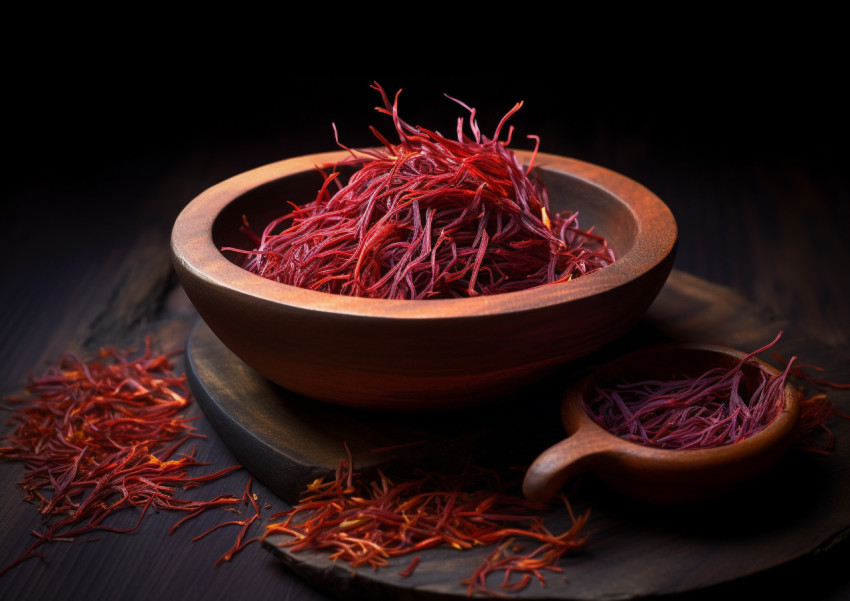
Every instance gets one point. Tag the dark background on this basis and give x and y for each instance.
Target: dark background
(74, 124)
(747, 148)
(767, 130)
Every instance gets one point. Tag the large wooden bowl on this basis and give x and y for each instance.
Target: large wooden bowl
(428, 354)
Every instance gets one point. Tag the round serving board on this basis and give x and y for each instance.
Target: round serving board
(797, 508)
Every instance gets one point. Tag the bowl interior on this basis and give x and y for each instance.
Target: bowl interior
(259, 206)
(674, 362)
(608, 215)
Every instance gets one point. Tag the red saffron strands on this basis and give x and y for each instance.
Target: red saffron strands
(241, 543)
(688, 413)
(429, 217)
(813, 434)
(367, 523)
(97, 438)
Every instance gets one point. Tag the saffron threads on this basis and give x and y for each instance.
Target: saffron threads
(428, 217)
(710, 410)
(365, 523)
(98, 438)
(241, 543)
(813, 435)
(408, 571)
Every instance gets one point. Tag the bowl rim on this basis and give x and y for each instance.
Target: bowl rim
(194, 251)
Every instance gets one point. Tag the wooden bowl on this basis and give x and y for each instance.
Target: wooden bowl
(427, 354)
(650, 474)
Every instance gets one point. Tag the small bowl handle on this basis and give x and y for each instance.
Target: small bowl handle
(579, 453)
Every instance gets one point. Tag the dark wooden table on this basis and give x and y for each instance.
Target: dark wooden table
(757, 180)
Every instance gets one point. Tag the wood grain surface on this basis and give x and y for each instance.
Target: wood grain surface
(754, 171)
(280, 440)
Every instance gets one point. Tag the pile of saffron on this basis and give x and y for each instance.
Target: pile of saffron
(428, 217)
(366, 523)
(710, 410)
(98, 438)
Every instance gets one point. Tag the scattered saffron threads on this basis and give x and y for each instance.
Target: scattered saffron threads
(799, 371)
(408, 571)
(813, 434)
(97, 438)
(429, 217)
(708, 411)
(244, 525)
(366, 523)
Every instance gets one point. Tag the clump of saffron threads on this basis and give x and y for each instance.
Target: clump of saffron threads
(366, 523)
(428, 217)
(706, 411)
(98, 438)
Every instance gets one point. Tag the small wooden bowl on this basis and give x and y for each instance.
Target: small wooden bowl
(649, 474)
(429, 354)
